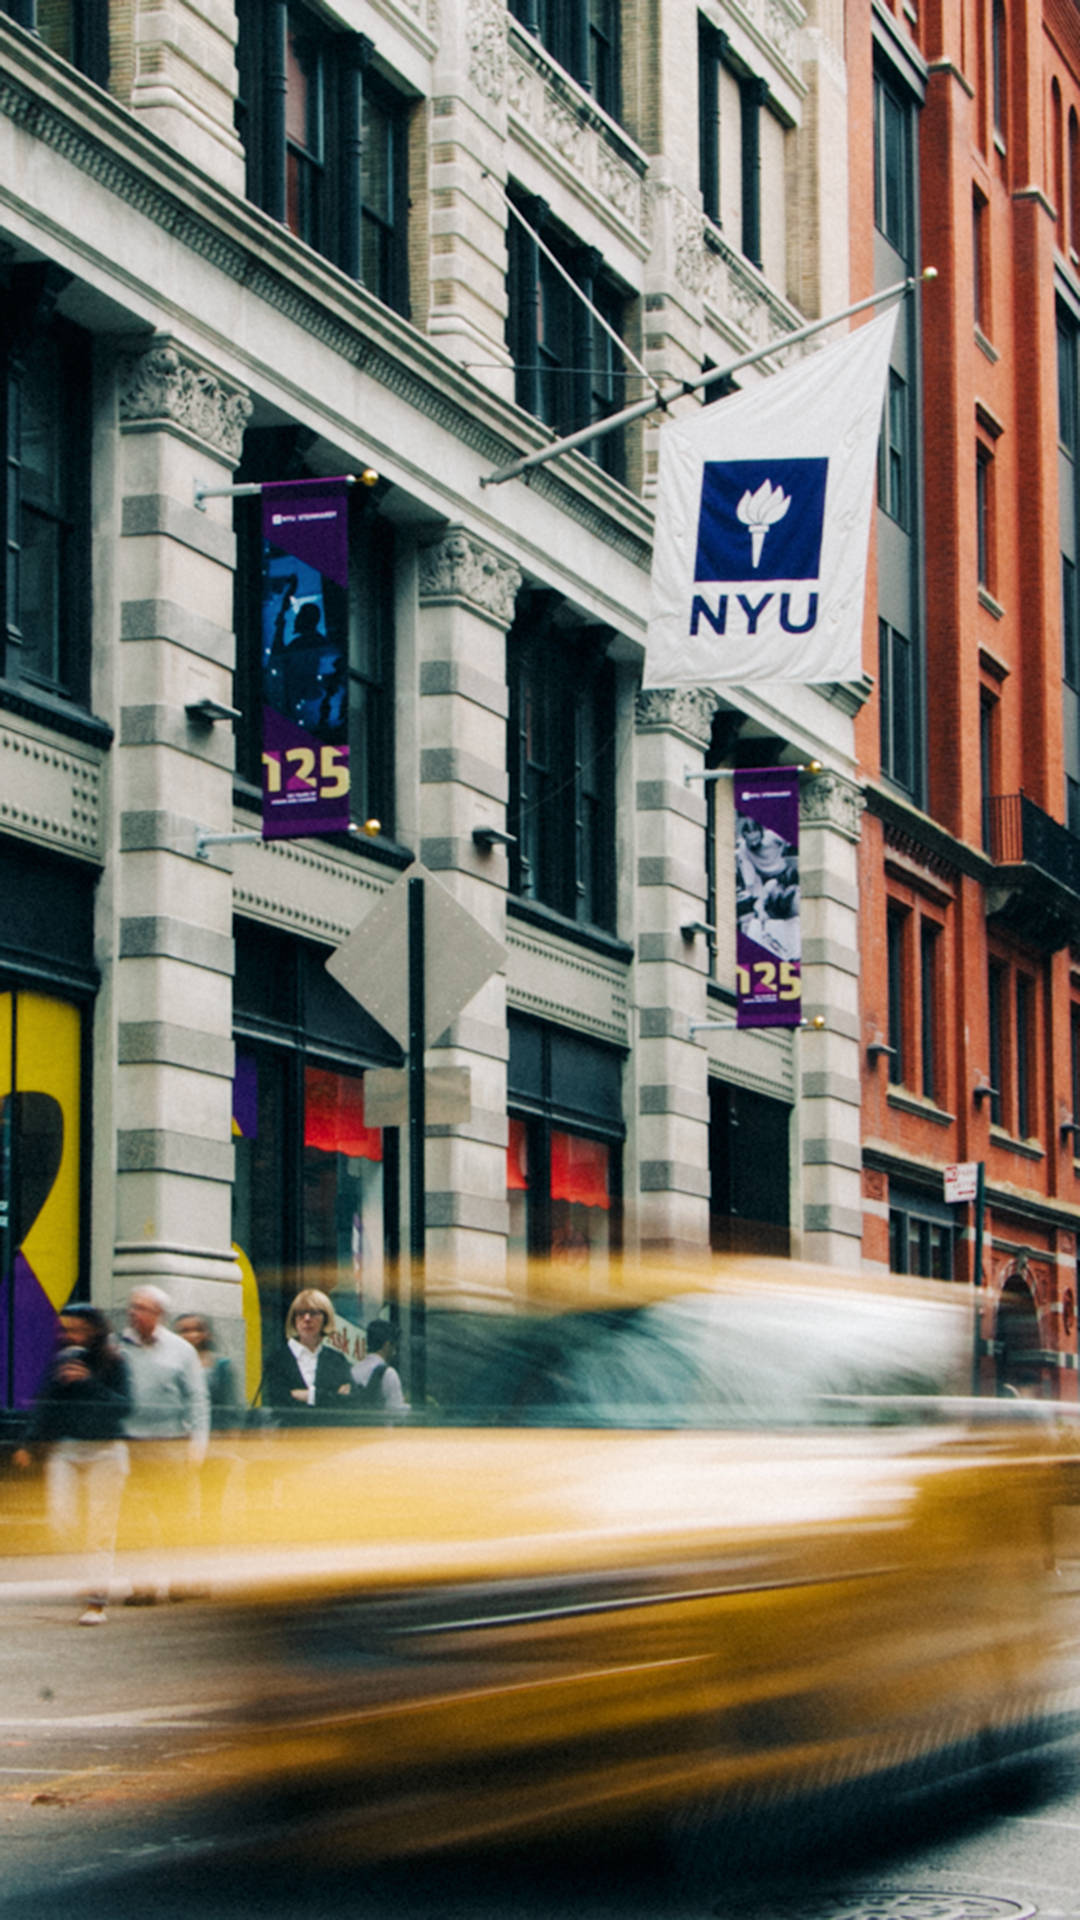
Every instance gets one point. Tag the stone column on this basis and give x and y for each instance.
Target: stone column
(170, 979)
(464, 271)
(829, 1107)
(466, 596)
(174, 63)
(672, 1117)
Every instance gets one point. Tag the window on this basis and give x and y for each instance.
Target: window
(996, 1037)
(1012, 1021)
(914, 950)
(325, 139)
(921, 1235)
(47, 982)
(78, 30)
(988, 757)
(562, 766)
(1074, 1066)
(741, 155)
(898, 707)
(564, 1147)
(749, 1172)
(895, 943)
(1068, 510)
(894, 455)
(46, 555)
(583, 36)
(315, 1194)
(1025, 1004)
(929, 950)
(984, 517)
(1073, 187)
(270, 455)
(981, 263)
(569, 369)
(892, 167)
(999, 73)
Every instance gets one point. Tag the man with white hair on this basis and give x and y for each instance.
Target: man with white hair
(169, 1400)
(169, 1419)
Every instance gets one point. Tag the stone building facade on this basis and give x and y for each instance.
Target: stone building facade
(245, 241)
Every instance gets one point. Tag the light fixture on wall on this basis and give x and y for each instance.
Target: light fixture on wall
(205, 712)
(983, 1090)
(875, 1047)
(486, 838)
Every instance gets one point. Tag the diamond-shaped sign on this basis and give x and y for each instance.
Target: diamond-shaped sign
(459, 956)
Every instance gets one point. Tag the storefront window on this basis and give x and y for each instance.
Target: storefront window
(310, 1204)
(564, 1151)
(40, 1119)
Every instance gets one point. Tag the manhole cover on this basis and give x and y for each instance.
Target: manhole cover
(890, 1906)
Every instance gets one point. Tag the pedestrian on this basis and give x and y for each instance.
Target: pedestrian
(376, 1379)
(304, 1371)
(169, 1418)
(78, 1415)
(221, 1386)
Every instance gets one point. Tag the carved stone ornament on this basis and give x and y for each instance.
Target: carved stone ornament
(457, 567)
(828, 800)
(487, 48)
(160, 385)
(687, 710)
(690, 269)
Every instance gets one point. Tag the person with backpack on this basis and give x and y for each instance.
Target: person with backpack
(377, 1380)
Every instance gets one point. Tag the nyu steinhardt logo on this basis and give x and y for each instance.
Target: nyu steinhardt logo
(760, 520)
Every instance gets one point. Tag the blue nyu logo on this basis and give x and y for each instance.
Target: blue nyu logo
(760, 520)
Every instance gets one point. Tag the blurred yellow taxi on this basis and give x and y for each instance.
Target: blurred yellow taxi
(691, 1549)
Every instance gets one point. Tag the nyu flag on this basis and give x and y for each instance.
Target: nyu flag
(762, 519)
(768, 943)
(305, 604)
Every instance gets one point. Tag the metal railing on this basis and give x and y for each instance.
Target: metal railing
(1020, 831)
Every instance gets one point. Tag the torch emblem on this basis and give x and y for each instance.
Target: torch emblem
(760, 510)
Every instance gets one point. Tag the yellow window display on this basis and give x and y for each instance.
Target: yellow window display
(40, 1090)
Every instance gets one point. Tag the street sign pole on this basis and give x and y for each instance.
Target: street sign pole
(980, 1213)
(417, 1129)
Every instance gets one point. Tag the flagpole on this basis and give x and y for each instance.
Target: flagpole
(642, 407)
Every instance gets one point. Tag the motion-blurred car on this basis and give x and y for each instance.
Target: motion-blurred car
(693, 1554)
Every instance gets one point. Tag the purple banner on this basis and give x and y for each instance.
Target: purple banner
(305, 609)
(768, 943)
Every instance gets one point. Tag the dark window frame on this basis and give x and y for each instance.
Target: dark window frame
(566, 371)
(714, 54)
(336, 213)
(900, 744)
(541, 1104)
(561, 754)
(87, 32)
(585, 37)
(43, 350)
(922, 1236)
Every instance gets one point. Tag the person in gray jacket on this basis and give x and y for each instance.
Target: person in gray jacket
(169, 1419)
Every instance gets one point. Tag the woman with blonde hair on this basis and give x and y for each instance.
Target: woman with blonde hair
(305, 1371)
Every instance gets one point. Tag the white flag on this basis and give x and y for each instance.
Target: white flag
(762, 521)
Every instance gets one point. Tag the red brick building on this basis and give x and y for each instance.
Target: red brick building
(965, 145)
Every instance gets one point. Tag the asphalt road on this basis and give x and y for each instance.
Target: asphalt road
(83, 1713)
